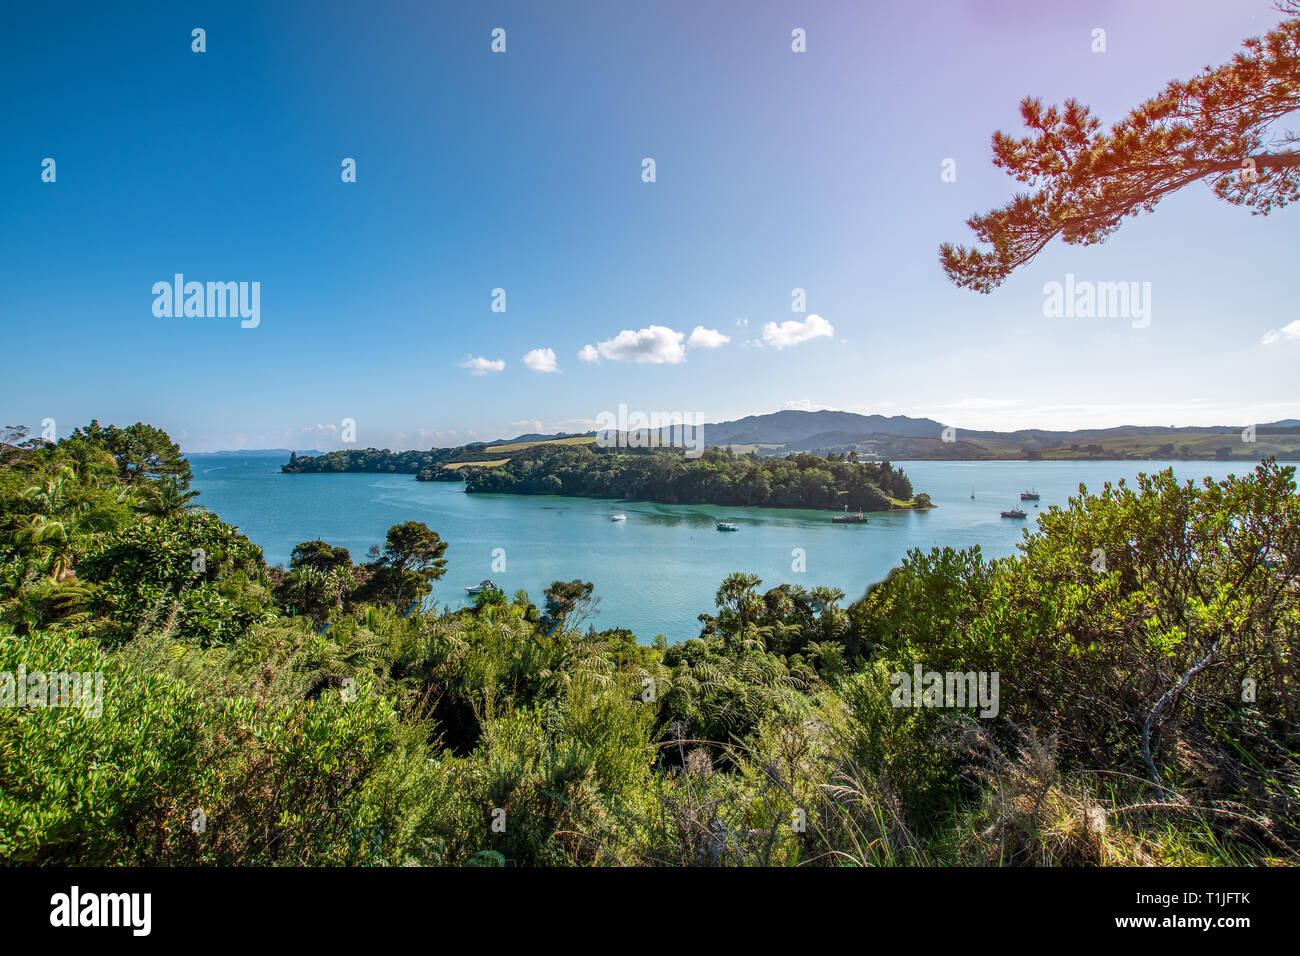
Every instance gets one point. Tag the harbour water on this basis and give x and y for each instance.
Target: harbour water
(659, 569)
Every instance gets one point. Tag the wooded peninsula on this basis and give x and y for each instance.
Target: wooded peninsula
(581, 469)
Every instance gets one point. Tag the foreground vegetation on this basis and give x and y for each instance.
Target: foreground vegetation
(328, 713)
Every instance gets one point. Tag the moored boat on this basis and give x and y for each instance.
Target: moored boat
(1013, 513)
(727, 526)
(858, 518)
(618, 517)
(484, 585)
(1031, 495)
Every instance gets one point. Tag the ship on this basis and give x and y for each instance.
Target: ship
(1013, 513)
(727, 526)
(1029, 495)
(485, 585)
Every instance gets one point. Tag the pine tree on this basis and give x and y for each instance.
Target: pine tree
(1216, 127)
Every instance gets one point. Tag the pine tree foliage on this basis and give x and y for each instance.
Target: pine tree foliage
(1220, 127)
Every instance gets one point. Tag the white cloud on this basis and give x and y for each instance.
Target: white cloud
(541, 360)
(478, 365)
(588, 353)
(656, 345)
(742, 323)
(795, 332)
(703, 338)
(1290, 332)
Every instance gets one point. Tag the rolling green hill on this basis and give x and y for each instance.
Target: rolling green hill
(815, 433)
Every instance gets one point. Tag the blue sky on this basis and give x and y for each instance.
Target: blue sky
(523, 171)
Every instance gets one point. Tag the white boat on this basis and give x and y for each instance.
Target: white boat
(618, 517)
(482, 586)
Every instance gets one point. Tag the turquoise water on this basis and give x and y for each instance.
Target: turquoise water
(658, 569)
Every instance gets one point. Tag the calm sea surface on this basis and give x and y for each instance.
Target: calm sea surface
(658, 569)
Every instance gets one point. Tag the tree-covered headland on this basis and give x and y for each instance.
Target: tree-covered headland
(665, 475)
(716, 477)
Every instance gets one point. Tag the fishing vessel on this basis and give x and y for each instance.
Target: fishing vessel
(1013, 513)
(1031, 495)
(727, 526)
(485, 585)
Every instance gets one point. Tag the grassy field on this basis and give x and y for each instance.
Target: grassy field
(520, 446)
(1195, 445)
(494, 463)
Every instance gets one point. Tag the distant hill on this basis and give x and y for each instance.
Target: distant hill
(902, 438)
(792, 427)
(533, 437)
(869, 437)
(791, 430)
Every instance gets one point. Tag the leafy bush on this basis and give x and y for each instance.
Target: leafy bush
(1145, 639)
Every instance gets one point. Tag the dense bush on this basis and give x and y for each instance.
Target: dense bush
(796, 481)
(193, 570)
(1145, 639)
